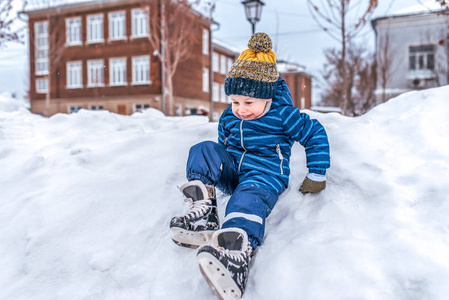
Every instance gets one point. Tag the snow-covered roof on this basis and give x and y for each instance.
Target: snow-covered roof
(420, 8)
(286, 67)
(226, 46)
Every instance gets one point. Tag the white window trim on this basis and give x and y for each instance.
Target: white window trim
(45, 72)
(111, 70)
(41, 91)
(223, 62)
(215, 92)
(120, 38)
(215, 62)
(80, 86)
(77, 43)
(206, 80)
(146, 12)
(205, 41)
(421, 73)
(92, 85)
(134, 82)
(96, 41)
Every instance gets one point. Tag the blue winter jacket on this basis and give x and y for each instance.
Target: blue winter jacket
(262, 147)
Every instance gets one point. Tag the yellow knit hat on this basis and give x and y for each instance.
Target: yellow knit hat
(254, 74)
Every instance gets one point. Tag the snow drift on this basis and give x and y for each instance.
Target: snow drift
(86, 200)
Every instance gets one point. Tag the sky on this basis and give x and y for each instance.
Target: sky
(86, 215)
(295, 34)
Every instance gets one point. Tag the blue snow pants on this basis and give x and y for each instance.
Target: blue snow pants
(249, 204)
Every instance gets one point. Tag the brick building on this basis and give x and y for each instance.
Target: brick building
(97, 55)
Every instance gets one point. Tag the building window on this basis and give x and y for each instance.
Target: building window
(95, 72)
(117, 71)
(140, 107)
(230, 62)
(117, 25)
(205, 41)
(206, 80)
(73, 31)
(422, 61)
(215, 62)
(41, 86)
(95, 28)
(141, 70)
(74, 75)
(96, 107)
(41, 39)
(223, 64)
(74, 108)
(215, 92)
(223, 98)
(140, 22)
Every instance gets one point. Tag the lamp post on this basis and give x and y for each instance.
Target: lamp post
(253, 10)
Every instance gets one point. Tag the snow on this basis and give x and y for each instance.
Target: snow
(86, 201)
(422, 7)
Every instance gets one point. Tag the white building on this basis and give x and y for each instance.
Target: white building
(411, 50)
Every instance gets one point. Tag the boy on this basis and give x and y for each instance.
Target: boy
(249, 162)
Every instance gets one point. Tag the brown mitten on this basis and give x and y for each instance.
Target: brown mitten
(311, 186)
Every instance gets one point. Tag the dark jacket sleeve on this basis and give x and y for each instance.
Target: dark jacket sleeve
(310, 134)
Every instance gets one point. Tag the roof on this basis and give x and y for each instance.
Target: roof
(428, 7)
(38, 7)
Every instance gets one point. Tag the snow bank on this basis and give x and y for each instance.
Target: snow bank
(86, 201)
(9, 104)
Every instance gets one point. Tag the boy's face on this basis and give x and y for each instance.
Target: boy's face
(248, 108)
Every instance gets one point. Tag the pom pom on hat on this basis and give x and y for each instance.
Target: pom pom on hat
(260, 42)
(254, 74)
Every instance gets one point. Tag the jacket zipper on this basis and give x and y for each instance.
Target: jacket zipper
(281, 157)
(225, 142)
(241, 143)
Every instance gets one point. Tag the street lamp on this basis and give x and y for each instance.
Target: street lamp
(253, 10)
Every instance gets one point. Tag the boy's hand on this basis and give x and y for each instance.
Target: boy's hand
(313, 186)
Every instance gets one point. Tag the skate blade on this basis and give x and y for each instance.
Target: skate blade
(190, 239)
(218, 277)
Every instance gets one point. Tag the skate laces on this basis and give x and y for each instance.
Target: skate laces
(198, 208)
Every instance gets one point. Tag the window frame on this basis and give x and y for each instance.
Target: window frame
(68, 32)
(205, 39)
(215, 92)
(206, 80)
(111, 22)
(146, 15)
(133, 63)
(69, 82)
(421, 57)
(90, 84)
(144, 106)
(43, 48)
(41, 91)
(215, 62)
(222, 64)
(111, 70)
(89, 39)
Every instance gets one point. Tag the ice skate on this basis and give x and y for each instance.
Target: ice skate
(225, 263)
(197, 226)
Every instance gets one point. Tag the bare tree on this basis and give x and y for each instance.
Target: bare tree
(360, 72)
(173, 34)
(384, 60)
(7, 19)
(331, 16)
(444, 4)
